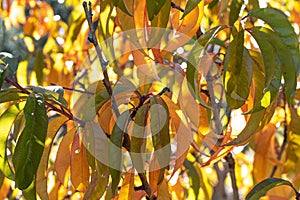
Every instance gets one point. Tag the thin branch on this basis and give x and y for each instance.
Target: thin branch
(219, 129)
(229, 159)
(173, 5)
(51, 106)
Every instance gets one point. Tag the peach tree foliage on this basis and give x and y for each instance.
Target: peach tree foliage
(129, 99)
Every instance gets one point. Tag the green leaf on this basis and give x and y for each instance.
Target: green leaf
(190, 5)
(261, 188)
(194, 59)
(30, 192)
(138, 138)
(51, 93)
(280, 23)
(159, 123)
(38, 66)
(115, 149)
(6, 122)
(2, 74)
(159, 23)
(11, 94)
(285, 58)
(154, 7)
(122, 5)
(30, 144)
(235, 9)
(237, 70)
(193, 175)
(282, 26)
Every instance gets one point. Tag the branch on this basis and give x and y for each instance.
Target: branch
(219, 130)
(51, 106)
(173, 5)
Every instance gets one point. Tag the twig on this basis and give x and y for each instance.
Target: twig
(219, 130)
(229, 159)
(92, 38)
(173, 5)
(51, 106)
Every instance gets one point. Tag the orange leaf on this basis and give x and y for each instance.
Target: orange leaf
(62, 161)
(264, 152)
(163, 191)
(79, 165)
(127, 188)
(41, 179)
(154, 173)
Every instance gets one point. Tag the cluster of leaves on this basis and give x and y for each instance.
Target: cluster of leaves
(144, 103)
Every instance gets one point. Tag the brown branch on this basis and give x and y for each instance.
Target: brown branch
(173, 5)
(92, 38)
(51, 106)
(219, 129)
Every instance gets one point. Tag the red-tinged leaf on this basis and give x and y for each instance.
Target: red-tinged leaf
(127, 188)
(115, 148)
(6, 121)
(79, 166)
(41, 178)
(137, 195)
(30, 144)
(138, 138)
(261, 188)
(159, 123)
(105, 117)
(63, 158)
(163, 191)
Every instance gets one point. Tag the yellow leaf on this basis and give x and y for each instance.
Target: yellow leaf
(127, 188)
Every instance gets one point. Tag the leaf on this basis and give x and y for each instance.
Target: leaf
(29, 192)
(41, 178)
(237, 70)
(281, 25)
(190, 5)
(159, 123)
(138, 138)
(6, 122)
(127, 188)
(63, 158)
(79, 167)
(123, 6)
(11, 94)
(154, 7)
(261, 188)
(194, 61)
(163, 191)
(115, 148)
(235, 9)
(2, 73)
(159, 22)
(30, 144)
(51, 93)
(96, 143)
(193, 176)
(38, 66)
